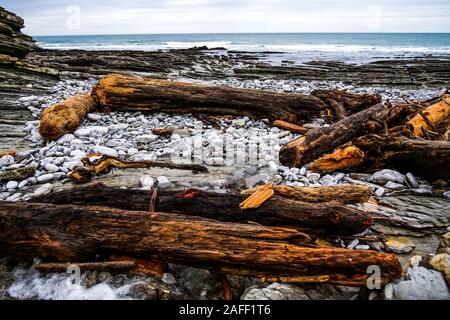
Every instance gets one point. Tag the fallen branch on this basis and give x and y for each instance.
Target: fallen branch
(74, 233)
(333, 217)
(105, 164)
(289, 126)
(319, 141)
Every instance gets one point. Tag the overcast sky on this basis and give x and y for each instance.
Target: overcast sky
(61, 17)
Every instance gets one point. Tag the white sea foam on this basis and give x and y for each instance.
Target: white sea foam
(30, 284)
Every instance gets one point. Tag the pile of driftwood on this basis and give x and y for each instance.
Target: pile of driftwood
(365, 134)
(103, 227)
(93, 225)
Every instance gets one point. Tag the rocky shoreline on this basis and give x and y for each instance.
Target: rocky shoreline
(413, 215)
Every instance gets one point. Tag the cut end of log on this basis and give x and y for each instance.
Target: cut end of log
(342, 159)
(65, 117)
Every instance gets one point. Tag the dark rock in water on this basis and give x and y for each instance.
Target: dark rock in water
(12, 41)
(151, 289)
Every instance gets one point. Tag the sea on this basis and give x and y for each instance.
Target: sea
(297, 47)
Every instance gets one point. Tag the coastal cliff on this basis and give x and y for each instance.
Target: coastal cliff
(13, 42)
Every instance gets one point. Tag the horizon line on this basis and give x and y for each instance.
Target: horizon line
(216, 33)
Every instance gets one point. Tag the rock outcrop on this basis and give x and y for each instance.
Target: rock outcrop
(12, 41)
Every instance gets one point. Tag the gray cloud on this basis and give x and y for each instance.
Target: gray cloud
(50, 17)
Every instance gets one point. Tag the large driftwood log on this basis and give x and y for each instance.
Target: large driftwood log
(427, 159)
(318, 141)
(345, 193)
(332, 217)
(65, 117)
(352, 103)
(74, 233)
(125, 93)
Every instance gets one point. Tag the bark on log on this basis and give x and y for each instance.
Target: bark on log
(65, 117)
(318, 141)
(289, 126)
(97, 266)
(332, 217)
(125, 93)
(429, 118)
(426, 159)
(73, 233)
(347, 158)
(352, 102)
(345, 193)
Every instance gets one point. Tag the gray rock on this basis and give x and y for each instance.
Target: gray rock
(147, 182)
(447, 194)
(394, 186)
(411, 180)
(168, 278)
(51, 167)
(45, 178)
(11, 185)
(94, 116)
(106, 151)
(44, 189)
(276, 291)
(380, 192)
(23, 184)
(132, 151)
(147, 138)
(419, 284)
(384, 176)
(163, 182)
(14, 197)
(4, 195)
(67, 138)
(422, 191)
(6, 161)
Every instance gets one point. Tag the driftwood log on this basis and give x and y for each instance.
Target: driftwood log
(319, 141)
(65, 117)
(427, 159)
(74, 233)
(332, 217)
(104, 164)
(351, 103)
(345, 193)
(125, 93)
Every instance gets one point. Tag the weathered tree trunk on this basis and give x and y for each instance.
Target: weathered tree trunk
(125, 93)
(345, 193)
(427, 159)
(429, 118)
(318, 141)
(74, 233)
(331, 217)
(65, 117)
(352, 103)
